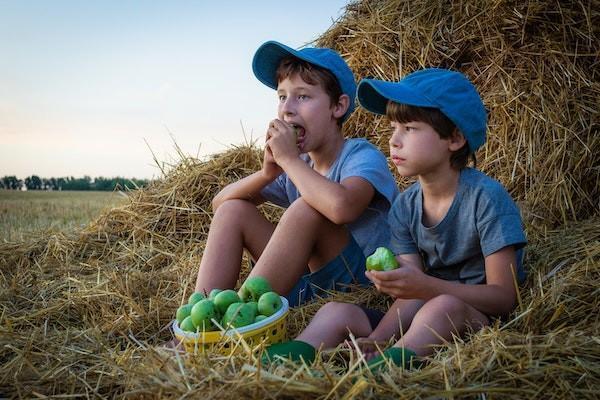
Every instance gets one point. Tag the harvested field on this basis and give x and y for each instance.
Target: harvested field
(84, 313)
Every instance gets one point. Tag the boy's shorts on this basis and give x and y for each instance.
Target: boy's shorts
(347, 268)
(374, 316)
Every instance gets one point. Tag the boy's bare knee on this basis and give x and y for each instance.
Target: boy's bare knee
(300, 210)
(337, 309)
(446, 304)
(234, 209)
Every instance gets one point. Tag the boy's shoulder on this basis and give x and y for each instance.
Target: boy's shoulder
(361, 151)
(478, 183)
(474, 186)
(357, 144)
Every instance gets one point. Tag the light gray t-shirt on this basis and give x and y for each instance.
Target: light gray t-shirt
(361, 159)
(481, 220)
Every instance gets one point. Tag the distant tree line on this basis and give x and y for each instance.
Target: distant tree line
(34, 182)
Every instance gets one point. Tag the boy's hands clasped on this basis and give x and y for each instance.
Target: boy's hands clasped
(282, 142)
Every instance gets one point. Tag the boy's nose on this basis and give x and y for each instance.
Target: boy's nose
(395, 140)
(287, 106)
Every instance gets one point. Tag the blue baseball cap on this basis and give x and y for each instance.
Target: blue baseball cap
(269, 55)
(448, 91)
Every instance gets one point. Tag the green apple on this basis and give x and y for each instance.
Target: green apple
(382, 260)
(223, 299)
(202, 313)
(253, 288)
(254, 305)
(195, 297)
(183, 312)
(269, 303)
(238, 315)
(187, 325)
(259, 318)
(213, 293)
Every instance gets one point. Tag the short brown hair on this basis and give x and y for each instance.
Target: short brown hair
(313, 75)
(439, 122)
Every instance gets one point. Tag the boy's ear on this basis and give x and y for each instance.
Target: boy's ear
(456, 141)
(340, 108)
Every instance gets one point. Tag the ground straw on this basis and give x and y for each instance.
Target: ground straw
(85, 313)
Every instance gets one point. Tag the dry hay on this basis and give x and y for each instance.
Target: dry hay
(84, 314)
(536, 65)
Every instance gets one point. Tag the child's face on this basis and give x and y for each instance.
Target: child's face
(308, 107)
(417, 149)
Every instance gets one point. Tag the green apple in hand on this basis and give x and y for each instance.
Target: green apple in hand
(202, 313)
(253, 288)
(223, 299)
(183, 312)
(239, 314)
(269, 303)
(382, 260)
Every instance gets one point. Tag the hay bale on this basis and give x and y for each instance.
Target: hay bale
(535, 64)
(84, 313)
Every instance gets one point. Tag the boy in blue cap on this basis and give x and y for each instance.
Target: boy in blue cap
(456, 233)
(336, 192)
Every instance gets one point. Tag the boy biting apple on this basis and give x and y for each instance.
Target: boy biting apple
(336, 191)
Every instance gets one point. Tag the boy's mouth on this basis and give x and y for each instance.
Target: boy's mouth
(300, 133)
(397, 160)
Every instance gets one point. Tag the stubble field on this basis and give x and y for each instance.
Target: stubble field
(22, 213)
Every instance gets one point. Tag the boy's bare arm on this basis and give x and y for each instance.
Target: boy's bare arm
(496, 297)
(341, 203)
(247, 188)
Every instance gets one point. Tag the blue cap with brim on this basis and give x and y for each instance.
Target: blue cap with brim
(448, 91)
(269, 55)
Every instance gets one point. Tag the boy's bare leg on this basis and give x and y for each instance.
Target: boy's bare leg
(331, 324)
(437, 320)
(302, 237)
(237, 224)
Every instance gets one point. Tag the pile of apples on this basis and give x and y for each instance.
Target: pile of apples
(254, 302)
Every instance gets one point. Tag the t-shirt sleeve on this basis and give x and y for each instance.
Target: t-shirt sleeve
(401, 241)
(367, 162)
(499, 222)
(276, 193)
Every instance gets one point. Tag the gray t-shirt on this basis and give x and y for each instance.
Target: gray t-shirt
(361, 159)
(481, 220)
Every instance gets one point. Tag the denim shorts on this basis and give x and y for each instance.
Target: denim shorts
(347, 268)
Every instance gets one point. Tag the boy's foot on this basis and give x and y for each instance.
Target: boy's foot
(394, 356)
(294, 350)
(370, 348)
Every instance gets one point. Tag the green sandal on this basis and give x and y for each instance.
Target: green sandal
(398, 356)
(294, 350)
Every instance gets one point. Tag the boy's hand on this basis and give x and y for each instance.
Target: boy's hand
(270, 168)
(282, 141)
(407, 282)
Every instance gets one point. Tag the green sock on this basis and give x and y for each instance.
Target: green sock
(398, 356)
(294, 350)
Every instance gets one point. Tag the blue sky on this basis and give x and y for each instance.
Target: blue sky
(84, 84)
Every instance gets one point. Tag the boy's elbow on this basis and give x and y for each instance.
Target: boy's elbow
(509, 303)
(343, 214)
(216, 202)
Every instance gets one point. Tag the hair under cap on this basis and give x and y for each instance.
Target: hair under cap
(448, 91)
(269, 55)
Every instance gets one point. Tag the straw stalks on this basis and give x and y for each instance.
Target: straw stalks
(85, 313)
